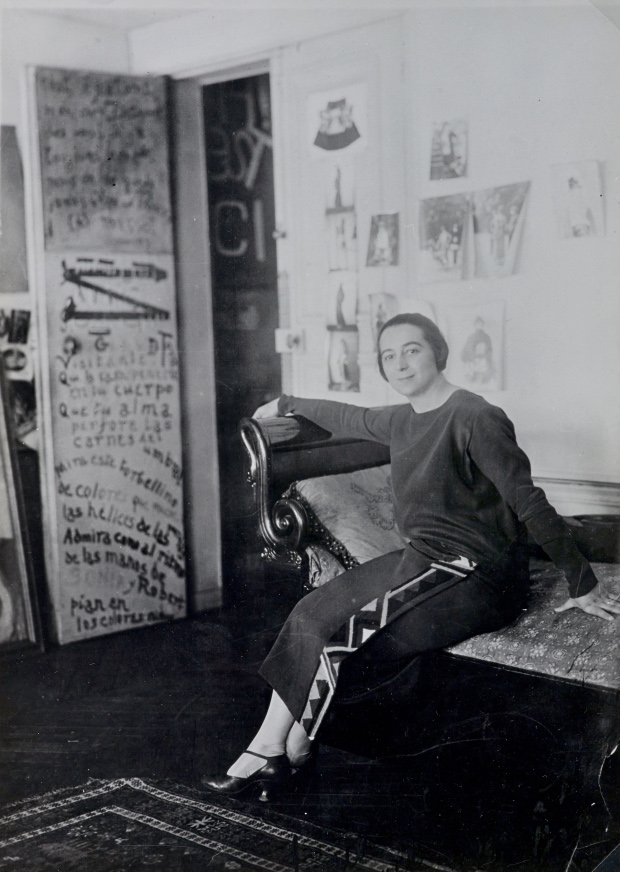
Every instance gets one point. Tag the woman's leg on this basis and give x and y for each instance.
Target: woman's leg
(293, 658)
(269, 741)
(333, 622)
(474, 605)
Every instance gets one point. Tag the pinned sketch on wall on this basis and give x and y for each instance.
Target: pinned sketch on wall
(578, 197)
(341, 229)
(343, 360)
(498, 216)
(475, 335)
(13, 261)
(337, 120)
(341, 298)
(443, 232)
(18, 617)
(382, 308)
(339, 186)
(383, 242)
(449, 150)
(14, 338)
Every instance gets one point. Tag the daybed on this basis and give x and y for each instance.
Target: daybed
(324, 504)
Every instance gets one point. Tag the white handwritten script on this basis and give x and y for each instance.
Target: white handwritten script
(114, 390)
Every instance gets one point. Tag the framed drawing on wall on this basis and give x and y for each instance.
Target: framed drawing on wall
(19, 623)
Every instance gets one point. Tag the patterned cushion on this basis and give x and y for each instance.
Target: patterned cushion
(354, 511)
(569, 645)
(322, 565)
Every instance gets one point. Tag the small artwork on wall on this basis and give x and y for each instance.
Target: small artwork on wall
(449, 150)
(341, 229)
(382, 308)
(443, 230)
(475, 336)
(383, 240)
(498, 217)
(341, 298)
(578, 197)
(339, 186)
(336, 120)
(343, 360)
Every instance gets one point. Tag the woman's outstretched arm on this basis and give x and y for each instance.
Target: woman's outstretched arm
(494, 450)
(340, 419)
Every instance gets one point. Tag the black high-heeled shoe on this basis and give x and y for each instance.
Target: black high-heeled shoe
(270, 778)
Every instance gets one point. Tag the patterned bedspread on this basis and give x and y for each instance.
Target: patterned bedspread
(569, 645)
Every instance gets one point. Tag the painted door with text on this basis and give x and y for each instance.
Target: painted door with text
(112, 477)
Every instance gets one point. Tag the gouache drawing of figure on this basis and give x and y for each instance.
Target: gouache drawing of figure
(341, 230)
(337, 128)
(579, 201)
(337, 122)
(343, 365)
(449, 150)
(477, 355)
(443, 224)
(341, 298)
(477, 336)
(382, 308)
(383, 241)
(580, 215)
(339, 186)
(498, 216)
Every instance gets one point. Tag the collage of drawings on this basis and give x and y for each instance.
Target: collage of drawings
(464, 235)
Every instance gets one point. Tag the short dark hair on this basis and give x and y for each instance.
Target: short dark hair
(432, 334)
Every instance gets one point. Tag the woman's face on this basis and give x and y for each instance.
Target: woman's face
(408, 359)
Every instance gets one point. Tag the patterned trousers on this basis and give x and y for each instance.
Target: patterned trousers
(387, 610)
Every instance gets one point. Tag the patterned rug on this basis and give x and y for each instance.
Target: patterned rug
(131, 824)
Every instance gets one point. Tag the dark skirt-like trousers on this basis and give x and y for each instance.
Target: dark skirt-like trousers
(380, 615)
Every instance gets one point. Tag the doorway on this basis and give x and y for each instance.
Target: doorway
(241, 207)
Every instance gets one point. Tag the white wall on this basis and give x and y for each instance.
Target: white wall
(227, 35)
(539, 87)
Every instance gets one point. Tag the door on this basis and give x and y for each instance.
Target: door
(240, 185)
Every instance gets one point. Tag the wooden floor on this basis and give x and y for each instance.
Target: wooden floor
(180, 700)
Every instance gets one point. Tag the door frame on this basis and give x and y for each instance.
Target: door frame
(196, 325)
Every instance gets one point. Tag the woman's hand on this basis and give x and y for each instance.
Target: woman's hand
(269, 410)
(595, 602)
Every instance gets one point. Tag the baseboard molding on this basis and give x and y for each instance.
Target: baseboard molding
(581, 497)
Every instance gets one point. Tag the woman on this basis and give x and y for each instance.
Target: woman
(464, 499)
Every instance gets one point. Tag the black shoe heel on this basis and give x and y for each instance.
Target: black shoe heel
(269, 778)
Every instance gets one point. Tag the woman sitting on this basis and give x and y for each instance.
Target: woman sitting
(464, 499)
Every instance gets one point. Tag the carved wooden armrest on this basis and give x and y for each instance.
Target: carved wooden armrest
(283, 523)
(287, 449)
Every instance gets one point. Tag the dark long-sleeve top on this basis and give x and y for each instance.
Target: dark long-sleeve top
(462, 485)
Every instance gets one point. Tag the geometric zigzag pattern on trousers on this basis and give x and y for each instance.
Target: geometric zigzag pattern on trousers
(364, 623)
